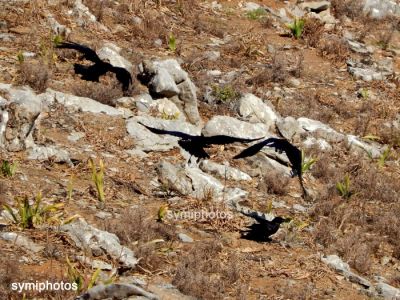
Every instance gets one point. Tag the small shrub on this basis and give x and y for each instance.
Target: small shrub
(334, 48)
(103, 93)
(224, 94)
(275, 183)
(36, 75)
(141, 231)
(198, 268)
(313, 31)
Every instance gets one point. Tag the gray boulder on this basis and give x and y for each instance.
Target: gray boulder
(167, 78)
(387, 291)
(99, 242)
(315, 6)
(38, 152)
(320, 130)
(256, 111)
(174, 178)
(381, 8)
(19, 117)
(145, 140)
(372, 71)
(80, 103)
(343, 268)
(194, 182)
(116, 291)
(373, 149)
(21, 241)
(57, 28)
(224, 125)
(260, 164)
(223, 171)
(289, 127)
(111, 52)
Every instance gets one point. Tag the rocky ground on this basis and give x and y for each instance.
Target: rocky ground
(89, 195)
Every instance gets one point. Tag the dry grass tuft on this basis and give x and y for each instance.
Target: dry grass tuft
(203, 267)
(136, 229)
(105, 94)
(312, 32)
(334, 48)
(36, 75)
(274, 183)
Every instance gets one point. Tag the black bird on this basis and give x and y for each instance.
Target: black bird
(281, 145)
(99, 68)
(195, 144)
(261, 231)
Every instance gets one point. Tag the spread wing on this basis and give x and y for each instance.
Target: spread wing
(88, 53)
(254, 149)
(224, 139)
(173, 133)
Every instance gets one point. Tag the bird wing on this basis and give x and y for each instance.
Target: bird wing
(252, 150)
(123, 76)
(86, 51)
(194, 149)
(224, 139)
(292, 152)
(179, 134)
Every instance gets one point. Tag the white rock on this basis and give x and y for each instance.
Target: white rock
(224, 125)
(254, 109)
(223, 171)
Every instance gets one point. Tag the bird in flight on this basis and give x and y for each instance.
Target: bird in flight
(195, 144)
(99, 68)
(263, 229)
(281, 145)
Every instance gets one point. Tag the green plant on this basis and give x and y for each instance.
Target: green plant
(162, 212)
(296, 28)
(57, 40)
(75, 276)
(224, 94)
(172, 42)
(343, 187)
(384, 156)
(98, 178)
(306, 164)
(30, 215)
(256, 14)
(364, 93)
(20, 57)
(8, 169)
(166, 116)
